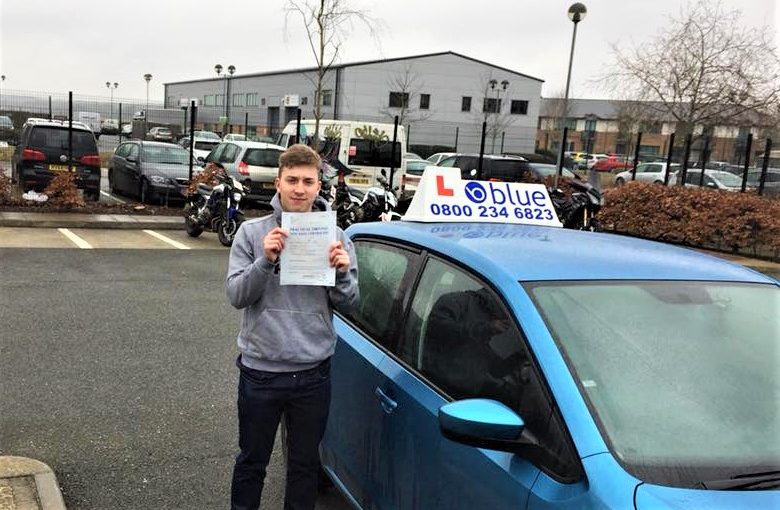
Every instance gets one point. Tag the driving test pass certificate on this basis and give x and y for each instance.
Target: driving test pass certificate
(304, 259)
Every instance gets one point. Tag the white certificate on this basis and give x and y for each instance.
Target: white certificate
(304, 259)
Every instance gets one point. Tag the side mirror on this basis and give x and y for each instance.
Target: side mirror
(481, 423)
(384, 174)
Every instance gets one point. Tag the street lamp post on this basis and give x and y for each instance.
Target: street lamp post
(2, 79)
(576, 14)
(231, 71)
(497, 110)
(111, 104)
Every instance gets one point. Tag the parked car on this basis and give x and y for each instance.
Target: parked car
(234, 137)
(253, 164)
(771, 182)
(411, 155)
(109, 126)
(435, 159)
(592, 159)
(497, 168)
(202, 145)
(715, 179)
(613, 163)
(160, 134)
(149, 171)
(649, 172)
(42, 152)
(127, 129)
(412, 175)
(7, 131)
(515, 366)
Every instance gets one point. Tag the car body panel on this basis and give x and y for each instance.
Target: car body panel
(650, 496)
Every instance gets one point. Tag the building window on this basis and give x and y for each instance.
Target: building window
(208, 100)
(327, 98)
(465, 104)
(519, 107)
(304, 101)
(251, 99)
(238, 99)
(399, 100)
(220, 99)
(262, 101)
(590, 125)
(425, 101)
(491, 105)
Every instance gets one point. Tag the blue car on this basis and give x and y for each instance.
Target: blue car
(497, 366)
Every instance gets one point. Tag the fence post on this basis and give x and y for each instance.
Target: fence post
(193, 116)
(559, 172)
(70, 129)
(669, 159)
(457, 132)
(765, 166)
(298, 129)
(481, 151)
(246, 125)
(704, 160)
(636, 155)
(392, 149)
(748, 147)
(686, 156)
(119, 134)
(503, 133)
(50, 112)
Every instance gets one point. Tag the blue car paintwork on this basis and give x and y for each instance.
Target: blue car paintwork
(394, 445)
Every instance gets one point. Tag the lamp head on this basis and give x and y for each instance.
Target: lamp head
(148, 77)
(577, 12)
(231, 69)
(504, 84)
(218, 68)
(493, 83)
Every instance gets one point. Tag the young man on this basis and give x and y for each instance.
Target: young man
(286, 340)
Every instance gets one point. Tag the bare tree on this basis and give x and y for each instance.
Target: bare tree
(494, 111)
(327, 23)
(407, 83)
(634, 117)
(558, 109)
(706, 69)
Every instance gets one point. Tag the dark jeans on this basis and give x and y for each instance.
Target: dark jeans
(304, 398)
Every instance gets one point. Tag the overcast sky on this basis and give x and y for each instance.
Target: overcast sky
(61, 45)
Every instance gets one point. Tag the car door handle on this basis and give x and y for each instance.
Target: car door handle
(388, 404)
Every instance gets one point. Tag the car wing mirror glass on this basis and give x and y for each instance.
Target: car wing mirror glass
(482, 423)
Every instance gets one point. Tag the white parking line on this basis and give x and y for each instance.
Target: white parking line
(81, 243)
(168, 240)
(112, 197)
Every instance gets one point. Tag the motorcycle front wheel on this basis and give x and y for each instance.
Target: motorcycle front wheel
(226, 231)
(193, 228)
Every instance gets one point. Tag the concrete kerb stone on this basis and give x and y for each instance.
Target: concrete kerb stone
(102, 221)
(49, 496)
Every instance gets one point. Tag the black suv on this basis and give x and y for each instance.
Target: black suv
(43, 151)
(501, 168)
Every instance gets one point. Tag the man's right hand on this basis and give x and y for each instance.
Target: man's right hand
(273, 244)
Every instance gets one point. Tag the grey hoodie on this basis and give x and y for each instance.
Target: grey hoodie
(284, 328)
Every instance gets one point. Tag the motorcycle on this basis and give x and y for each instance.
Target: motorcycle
(220, 215)
(577, 210)
(380, 202)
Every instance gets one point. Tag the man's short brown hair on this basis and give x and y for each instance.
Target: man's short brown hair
(298, 155)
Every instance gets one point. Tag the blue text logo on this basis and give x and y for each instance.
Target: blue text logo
(475, 192)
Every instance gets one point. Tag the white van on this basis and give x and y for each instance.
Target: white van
(364, 147)
(91, 119)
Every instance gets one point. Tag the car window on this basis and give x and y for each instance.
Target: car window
(449, 162)
(461, 337)
(215, 153)
(44, 137)
(123, 150)
(262, 157)
(508, 170)
(229, 154)
(371, 153)
(469, 163)
(383, 269)
(205, 146)
(169, 154)
(133, 153)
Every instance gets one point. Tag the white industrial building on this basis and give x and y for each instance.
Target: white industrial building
(443, 99)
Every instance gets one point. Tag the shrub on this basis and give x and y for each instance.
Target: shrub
(738, 222)
(5, 188)
(62, 190)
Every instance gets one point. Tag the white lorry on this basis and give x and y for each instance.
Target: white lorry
(91, 119)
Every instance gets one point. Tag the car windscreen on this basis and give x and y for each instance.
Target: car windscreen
(726, 178)
(546, 170)
(205, 146)
(55, 139)
(207, 134)
(508, 169)
(262, 157)
(682, 377)
(754, 177)
(172, 155)
(416, 167)
(373, 153)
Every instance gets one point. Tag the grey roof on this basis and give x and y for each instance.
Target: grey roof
(355, 64)
(580, 108)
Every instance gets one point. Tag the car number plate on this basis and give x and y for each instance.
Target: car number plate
(359, 180)
(61, 168)
(268, 185)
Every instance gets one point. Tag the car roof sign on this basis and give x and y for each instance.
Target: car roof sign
(442, 196)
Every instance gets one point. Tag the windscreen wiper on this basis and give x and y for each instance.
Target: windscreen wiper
(745, 481)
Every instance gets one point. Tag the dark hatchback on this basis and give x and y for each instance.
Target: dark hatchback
(501, 168)
(43, 152)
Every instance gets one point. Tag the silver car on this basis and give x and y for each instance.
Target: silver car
(254, 164)
(649, 172)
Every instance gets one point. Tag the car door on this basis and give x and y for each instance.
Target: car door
(115, 165)
(132, 173)
(352, 449)
(227, 157)
(460, 341)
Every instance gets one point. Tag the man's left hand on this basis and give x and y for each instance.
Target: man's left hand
(339, 258)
